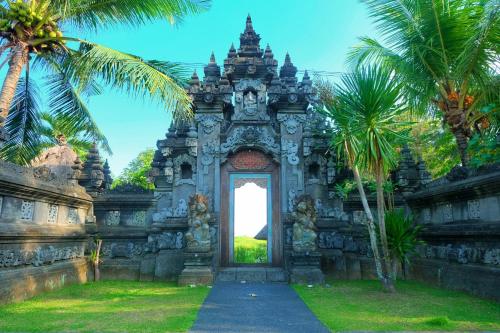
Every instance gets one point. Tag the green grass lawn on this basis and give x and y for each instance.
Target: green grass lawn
(108, 306)
(248, 250)
(362, 305)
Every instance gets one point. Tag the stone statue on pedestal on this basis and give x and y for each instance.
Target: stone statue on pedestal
(304, 228)
(198, 235)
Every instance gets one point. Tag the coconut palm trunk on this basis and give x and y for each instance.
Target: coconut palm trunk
(456, 119)
(17, 62)
(371, 230)
(382, 229)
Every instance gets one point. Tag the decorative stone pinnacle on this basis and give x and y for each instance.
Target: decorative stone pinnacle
(288, 60)
(212, 58)
(194, 79)
(288, 69)
(249, 26)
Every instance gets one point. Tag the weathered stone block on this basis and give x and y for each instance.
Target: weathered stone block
(169, 264)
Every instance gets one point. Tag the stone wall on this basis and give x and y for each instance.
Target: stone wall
(42, 231)
(134, 247)
(461, 218)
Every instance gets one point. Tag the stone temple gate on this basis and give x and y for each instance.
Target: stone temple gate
(253, 117)
(253, 123)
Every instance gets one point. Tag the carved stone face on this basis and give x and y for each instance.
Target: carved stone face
(200, 207)
(302, 206)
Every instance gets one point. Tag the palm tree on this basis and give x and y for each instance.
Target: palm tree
(33, 130)
(344, 141)
(374, 98)
(445, 51)
(32, 39)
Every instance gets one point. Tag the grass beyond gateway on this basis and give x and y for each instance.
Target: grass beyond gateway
(362, 305)
(107, 306)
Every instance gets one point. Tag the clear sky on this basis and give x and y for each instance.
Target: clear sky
(316, 33)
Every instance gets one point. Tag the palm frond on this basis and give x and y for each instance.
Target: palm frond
(23, 124)
(94, 14)
(160, 80)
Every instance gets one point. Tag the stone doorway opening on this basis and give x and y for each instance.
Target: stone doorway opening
(250, 219)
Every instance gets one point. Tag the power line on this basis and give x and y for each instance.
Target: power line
(198, 66)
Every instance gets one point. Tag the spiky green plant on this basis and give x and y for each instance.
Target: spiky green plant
(402, 236)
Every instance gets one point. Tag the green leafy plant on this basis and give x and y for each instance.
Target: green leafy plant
(344, 189)
(137, 171)
(445, 52)
(72, 69)
(402, 237)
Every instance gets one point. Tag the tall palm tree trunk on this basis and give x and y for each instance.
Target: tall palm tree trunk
(462, 143)
(456, 119)
(371, 230)
(383, 234)
(18, 59)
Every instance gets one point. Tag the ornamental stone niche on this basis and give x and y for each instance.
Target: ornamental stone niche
(250, 118)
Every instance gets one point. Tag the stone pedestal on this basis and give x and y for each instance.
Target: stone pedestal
(306, 268)
(197, 269)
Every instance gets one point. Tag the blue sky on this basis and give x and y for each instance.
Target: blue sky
(316, 33)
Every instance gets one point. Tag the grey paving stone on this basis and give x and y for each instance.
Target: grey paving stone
(231, 307)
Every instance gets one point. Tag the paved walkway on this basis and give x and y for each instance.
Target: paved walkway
(255, 307)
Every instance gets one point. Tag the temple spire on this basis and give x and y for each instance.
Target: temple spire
(288, 69)
(249, 41)
(212, 70)
(249, 26)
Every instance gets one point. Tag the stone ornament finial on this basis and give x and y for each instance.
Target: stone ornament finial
(304, 226)
(198, 235)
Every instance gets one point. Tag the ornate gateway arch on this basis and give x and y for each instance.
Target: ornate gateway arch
(251, 117)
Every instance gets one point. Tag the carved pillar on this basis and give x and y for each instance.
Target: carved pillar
(292, 179)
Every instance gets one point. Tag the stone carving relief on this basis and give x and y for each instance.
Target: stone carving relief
(291, 150)
(292, 195)
(209, 121)
(73, 216)
(426, 214)
(209, 150)
(447, 212)
(164, 241)
(198, 235)
(169, 171)
(27, 210)
(461, 254)
(292, 122)
(39, 256)
(52, 216)
(192, 144)
(165, 213)
(250, 100)
(250, 136)
(330, 171)
(304, 226)
(166, 151)
(112, 218)
(122, 250)
(182, 209)
(473, 207)
(138, 219)
(178, 162)
(335, 240)
(359, 217)
(334, 212)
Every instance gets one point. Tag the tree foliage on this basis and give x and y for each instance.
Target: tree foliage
(137, 171)
(446, 54)
(32, 38)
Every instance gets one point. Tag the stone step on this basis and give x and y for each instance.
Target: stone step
(253, 274)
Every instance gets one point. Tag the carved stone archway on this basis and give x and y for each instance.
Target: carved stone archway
(255, 164)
